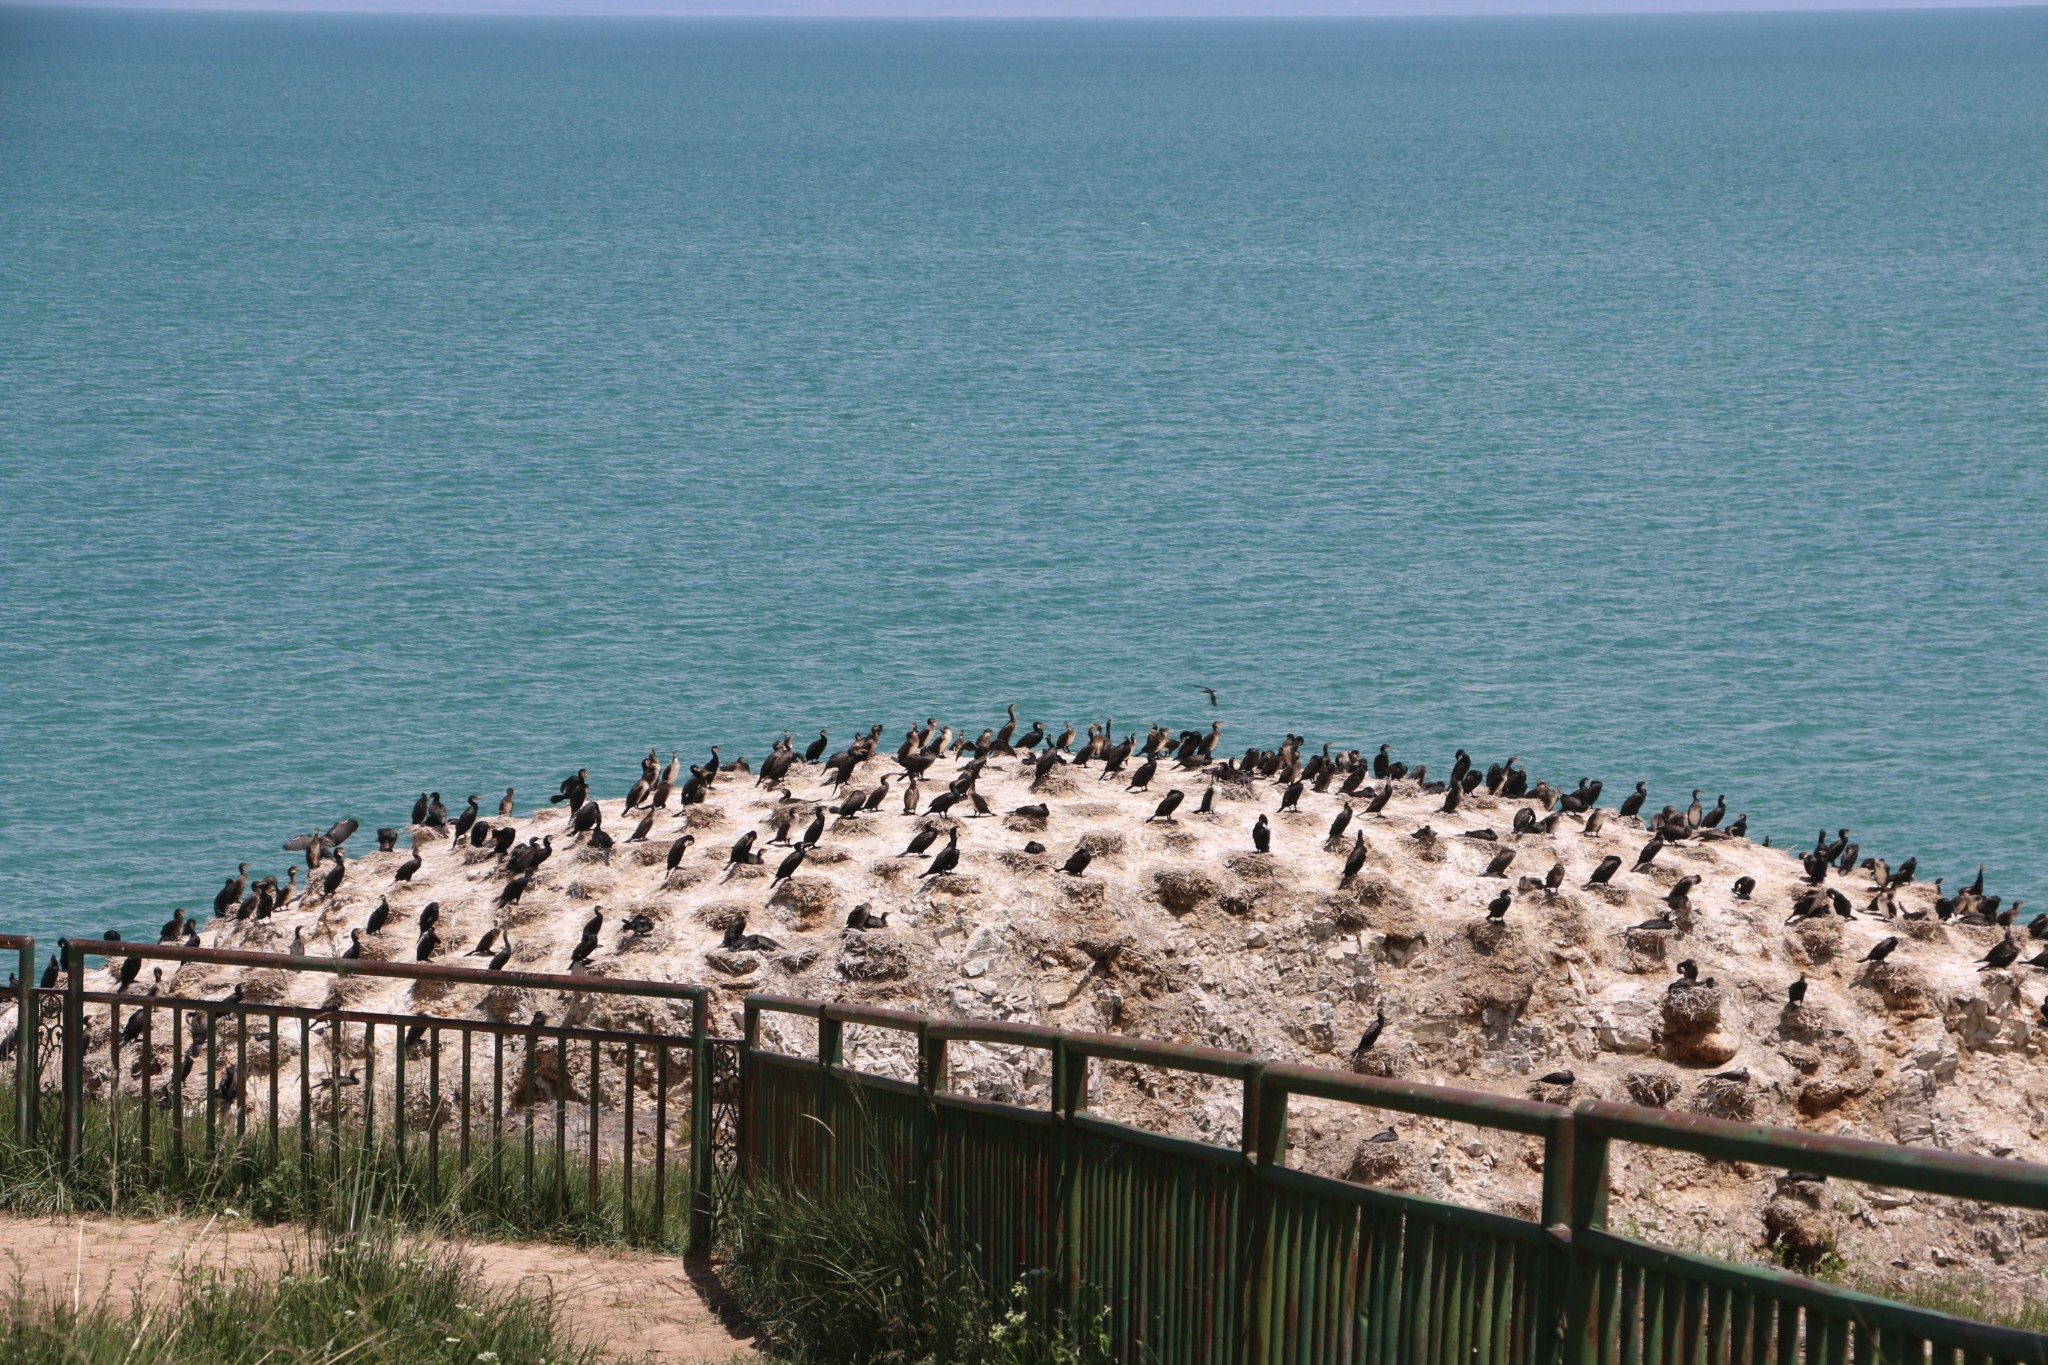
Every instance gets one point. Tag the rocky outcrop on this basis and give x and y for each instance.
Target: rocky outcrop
(1180, 930)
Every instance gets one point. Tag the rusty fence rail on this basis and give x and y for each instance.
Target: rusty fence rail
(543, 1123)
(1195, 1251)
(1206, 1253)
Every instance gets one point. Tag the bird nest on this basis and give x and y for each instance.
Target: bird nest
(872, 956)
(1648, 949)
(805, 900)
(1725, 1100)
(1488, 935)
(503, 1004)
(1377, 893)
(431, 992)
(700, 818)
(721, 915)
(1816, 940)
(1692, 1009)
(1903, 987)
(1181, 891)
(1391, 1165)
(1252, 867)
(1057, 781)
(1652, 1088)
(1103, 844)
(1024, 824)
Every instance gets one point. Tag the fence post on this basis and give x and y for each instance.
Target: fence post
(1558, 1288)
(1069, 1096)
(74, 1053)
(931, 1078)
(750, 1038)
(831, 1053)
(1588, 1210)
(1264, 1140)
(701, 1137)
(27, 1034)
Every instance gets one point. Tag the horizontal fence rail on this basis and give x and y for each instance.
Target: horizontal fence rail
(1189, 1251)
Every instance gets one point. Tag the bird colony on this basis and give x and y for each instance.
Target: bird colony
(1458, 923)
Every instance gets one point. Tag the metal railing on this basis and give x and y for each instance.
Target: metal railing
(1195, 1251)
(474, 1109)
(1206, 1253)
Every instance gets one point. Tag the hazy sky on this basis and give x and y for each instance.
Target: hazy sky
(970, 9)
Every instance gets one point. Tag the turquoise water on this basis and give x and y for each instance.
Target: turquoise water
(402, 403)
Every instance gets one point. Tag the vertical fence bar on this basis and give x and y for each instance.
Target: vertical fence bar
(434, 1113)
(661, 1145)
(699, 1240)
(532, 1103)
(305, 1100)
(626, 1160)
(399, 1049)
(114, 1087)
(369, 1087)
(174, 1088)
(561, 1089)
(211, 1020)
(1263, 1140)
(148, 1073)
(73, 1053)
(1588, 1203)
(27, 1036)
(596, 1068)
(273, 1091)
(462, 1162)
(241, 1086)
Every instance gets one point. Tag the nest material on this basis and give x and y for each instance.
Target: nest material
(1654, 1089)
(1692, 1010)
(1903, 986)
(1816, 940)
(1181, 892)
(806, 901)
(1388, 1164)
(1104, 844)
(1725, 1100)
(872, 956)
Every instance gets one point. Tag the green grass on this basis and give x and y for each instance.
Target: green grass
(363, 1299)
(335, 1178)
(849, 1280)
(1962, 1294)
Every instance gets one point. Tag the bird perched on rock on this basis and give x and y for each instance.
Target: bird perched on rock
(1262, 836)
(1077, 863)
(1355, 860)
(788, 866)
(1609, 865)
(946, 859)
(2002, 954)
(1371, 1037)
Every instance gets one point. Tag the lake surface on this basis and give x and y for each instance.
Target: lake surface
(390, 404)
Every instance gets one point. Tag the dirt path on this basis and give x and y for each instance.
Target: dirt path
(640, 1306)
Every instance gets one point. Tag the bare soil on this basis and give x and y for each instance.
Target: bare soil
(640, 1306)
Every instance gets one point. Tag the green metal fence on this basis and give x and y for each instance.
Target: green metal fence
(549, 1126)
(1633, 1302)
(1205, 1253)
(1198, 1252)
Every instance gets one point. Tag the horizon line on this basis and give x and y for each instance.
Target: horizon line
(968, 11)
